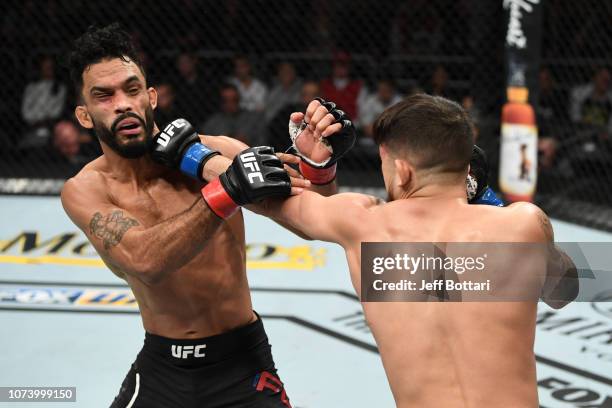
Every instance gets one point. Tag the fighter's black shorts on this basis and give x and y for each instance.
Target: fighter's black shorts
(233, 369)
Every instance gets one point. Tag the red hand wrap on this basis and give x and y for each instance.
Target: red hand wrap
(318, 176)
(218, 200)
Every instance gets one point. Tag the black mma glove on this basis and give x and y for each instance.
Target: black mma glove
(478, 190)
(255, 174)
(338, 144)
(178, 146)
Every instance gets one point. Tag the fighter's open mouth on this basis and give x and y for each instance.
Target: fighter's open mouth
(128, 124)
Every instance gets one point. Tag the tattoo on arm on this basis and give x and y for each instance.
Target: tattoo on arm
(546, 226)
(110, 228)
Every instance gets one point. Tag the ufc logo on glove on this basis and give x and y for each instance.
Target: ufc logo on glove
(168, 132)
(250, 163)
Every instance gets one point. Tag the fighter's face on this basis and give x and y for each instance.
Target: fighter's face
(118, 106)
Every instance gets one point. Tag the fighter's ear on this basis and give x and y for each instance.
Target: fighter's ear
(82, 115)
(382, 150)
(405, 173)
(152, 96)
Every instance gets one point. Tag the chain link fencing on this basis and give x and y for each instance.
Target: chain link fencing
(239, 67)
(574, 112)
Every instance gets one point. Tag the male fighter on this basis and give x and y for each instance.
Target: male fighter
(180, 246)
(435, 354)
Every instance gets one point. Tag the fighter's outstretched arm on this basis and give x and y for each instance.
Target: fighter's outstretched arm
(130, 245)
(320, 136)
(203, 158)
(339, 218)
(229, 148)
(151, 251)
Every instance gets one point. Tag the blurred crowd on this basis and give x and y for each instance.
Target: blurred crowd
(256, 110)
(362, 54)
(575, 127)
(240, 105)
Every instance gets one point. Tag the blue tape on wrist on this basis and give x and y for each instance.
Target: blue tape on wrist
(193, 157)
(489, 198)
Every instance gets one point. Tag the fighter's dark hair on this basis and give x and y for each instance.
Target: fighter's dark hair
(434, 131)
(97, 44)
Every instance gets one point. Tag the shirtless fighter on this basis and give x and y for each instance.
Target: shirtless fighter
(172, 240)
(435, 354)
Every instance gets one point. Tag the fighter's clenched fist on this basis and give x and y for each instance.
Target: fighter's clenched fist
(255, 174)
(320, 137)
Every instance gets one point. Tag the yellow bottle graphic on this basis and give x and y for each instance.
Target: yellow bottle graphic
(519, 152)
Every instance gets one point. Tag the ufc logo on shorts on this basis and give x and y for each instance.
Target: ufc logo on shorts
(164, 137)
(250, 163)
(185, 351)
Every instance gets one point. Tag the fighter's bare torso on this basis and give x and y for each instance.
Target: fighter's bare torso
(449, 354)
(207, 295)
